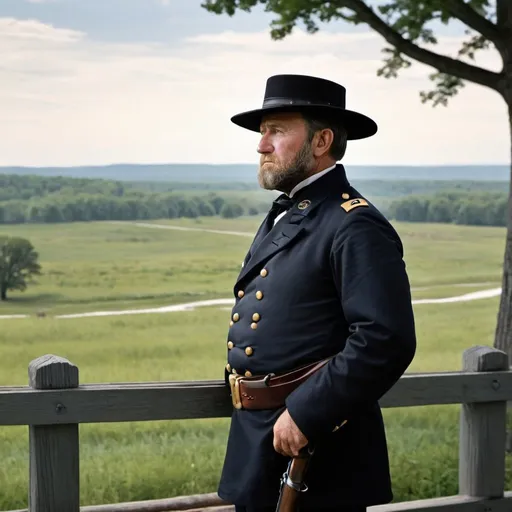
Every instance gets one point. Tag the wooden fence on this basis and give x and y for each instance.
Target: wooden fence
(54, 404)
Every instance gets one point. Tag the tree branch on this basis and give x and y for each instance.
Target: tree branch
(440, 62)
(465, 13)
(504, 14)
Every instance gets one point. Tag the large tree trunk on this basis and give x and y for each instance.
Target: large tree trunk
(503, 337)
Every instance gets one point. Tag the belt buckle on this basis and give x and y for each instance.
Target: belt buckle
(234, 384)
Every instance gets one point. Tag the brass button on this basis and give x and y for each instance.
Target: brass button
(230, 345)
(228, 367)
(259, 295)
(345, 195)
(241, 293)
(256, 317)
(236, 317)
(231, 324)
(263, 272)
(249, 351)
(248, 373)
(254, 325)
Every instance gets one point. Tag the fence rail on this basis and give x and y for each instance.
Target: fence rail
(54, 404)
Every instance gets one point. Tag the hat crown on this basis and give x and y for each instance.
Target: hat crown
(303, 90)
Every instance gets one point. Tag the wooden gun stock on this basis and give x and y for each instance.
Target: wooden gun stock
(292, 482)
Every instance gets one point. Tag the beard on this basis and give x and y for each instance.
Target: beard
(284, 177)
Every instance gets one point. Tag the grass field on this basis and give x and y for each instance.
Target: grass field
(90, 266)
(104, 265)
(111, 266)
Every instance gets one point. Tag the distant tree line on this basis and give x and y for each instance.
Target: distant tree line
(37, 199)
(400, 188)
(14, 186)
(466, 208)
(40, 199)
(96, 207)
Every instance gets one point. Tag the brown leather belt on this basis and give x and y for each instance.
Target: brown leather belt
(269, 391)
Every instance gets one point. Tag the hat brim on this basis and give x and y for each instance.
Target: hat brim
(358, 125)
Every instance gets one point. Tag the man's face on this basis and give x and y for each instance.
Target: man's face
(286, 154)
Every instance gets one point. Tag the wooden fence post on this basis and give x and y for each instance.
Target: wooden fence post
(483, 431)
(54, 451)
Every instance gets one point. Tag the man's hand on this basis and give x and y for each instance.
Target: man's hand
(288, 439)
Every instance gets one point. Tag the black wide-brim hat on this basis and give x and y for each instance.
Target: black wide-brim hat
(311, 95)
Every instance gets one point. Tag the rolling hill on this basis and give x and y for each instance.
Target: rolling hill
(247, 172)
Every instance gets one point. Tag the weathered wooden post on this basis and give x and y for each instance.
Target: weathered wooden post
(54, 450)
(483, 431)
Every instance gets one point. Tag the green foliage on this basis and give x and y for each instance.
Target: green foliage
(397, 188)
(14, 186)
(18, 263)
(457, 207)
(231, 210)
(37, 199)
(447, 86)
(405, 24)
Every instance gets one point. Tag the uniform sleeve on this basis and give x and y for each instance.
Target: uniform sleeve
(372, 283)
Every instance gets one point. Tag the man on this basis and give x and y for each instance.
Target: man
(323, 282)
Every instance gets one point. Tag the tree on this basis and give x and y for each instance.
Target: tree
(411, 209)
(405, 26)
(230, 210)
(440, 209)
(18, 263)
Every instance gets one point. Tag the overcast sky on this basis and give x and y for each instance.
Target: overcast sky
(153, 81)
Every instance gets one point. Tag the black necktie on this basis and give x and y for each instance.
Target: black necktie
(279, 205)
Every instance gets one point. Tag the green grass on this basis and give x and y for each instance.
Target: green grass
(105, 265)
(440, 291)
(91, 266)
(111, 266)
(135, 461)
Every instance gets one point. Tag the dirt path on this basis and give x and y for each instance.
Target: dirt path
(182, 228)
(191, 306)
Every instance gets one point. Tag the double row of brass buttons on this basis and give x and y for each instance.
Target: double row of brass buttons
(256, 317)
(259, 293)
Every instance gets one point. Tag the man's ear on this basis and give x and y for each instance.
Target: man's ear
(322, 142)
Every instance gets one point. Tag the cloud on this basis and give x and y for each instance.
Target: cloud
(351, 47)
(32, 31)
(66, 99)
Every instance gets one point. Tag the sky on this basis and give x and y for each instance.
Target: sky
(97, 82)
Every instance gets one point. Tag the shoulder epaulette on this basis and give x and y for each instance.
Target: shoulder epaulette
(353, 203)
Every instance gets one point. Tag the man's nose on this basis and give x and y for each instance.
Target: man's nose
(265, 146)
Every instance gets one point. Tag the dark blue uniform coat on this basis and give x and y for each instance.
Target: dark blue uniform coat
(326, 281)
